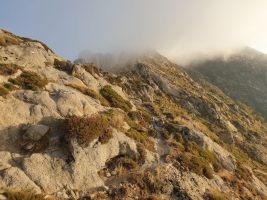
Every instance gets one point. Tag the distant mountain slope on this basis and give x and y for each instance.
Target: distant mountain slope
(242, 76)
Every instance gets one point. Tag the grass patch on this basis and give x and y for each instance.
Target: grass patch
(8, 69)
(90, 93)
(196, 164)
(115, 99)
(29, 81)
(141, 137)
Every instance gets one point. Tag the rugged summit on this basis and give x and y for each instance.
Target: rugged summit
(73, 131)
(242, 76)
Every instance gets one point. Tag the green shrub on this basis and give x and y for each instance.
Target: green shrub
(141, 137)
(196, 164)
(86, 129)
(115, 99)
(29, 80)
(95, 95)
(63, 65)
(22, 195)
(210, 157)
(9, 86)
(3, 91)
(8, 69)
(90, 93)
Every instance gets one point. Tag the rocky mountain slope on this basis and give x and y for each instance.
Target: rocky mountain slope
(242, 76)
(73, 131)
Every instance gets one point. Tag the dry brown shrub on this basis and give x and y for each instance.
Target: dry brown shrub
(86, 129)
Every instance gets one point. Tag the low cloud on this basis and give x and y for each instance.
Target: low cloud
(179, 29)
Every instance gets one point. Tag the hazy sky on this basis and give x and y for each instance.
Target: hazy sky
(176, 28)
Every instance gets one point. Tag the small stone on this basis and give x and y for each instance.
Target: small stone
(108, 174)
(36, 132)
(2, 197)
(113, 173)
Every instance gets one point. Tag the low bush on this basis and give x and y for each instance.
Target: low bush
(86, 129)
(141, 137)
(63, 65)
(29, 80)
(8, 69)
(23, 195)
(115, 99)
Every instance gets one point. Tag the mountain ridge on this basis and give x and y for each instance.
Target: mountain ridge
(242, 76)
(72, 131)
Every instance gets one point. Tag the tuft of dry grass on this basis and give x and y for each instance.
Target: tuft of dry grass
(117, 118)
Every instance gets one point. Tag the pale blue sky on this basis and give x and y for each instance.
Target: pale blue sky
(173, 27)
